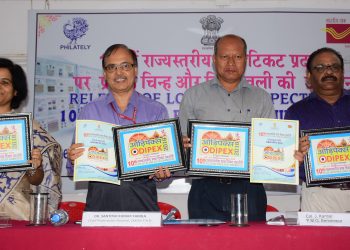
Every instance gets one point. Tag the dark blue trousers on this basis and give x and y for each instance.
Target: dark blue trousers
(210, 198)
(138, 195)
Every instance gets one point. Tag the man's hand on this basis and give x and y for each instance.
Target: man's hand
(75, 151)
(161, 174)
(186, 142)
(304, 146)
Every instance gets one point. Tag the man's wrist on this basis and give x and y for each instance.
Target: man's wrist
(161, 179)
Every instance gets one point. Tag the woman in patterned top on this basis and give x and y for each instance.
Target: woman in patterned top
(46, 154)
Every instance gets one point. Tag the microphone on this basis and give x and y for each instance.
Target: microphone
(171, 214)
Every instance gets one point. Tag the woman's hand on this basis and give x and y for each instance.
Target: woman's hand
(36, 175)
(36, 158)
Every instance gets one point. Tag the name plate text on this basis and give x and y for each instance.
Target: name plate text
(324, 219)
(121, 219)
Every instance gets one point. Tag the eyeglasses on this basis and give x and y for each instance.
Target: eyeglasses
(322, 68)
(5, 82)
(123, 66)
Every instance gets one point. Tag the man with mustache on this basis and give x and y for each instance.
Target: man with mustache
(327, 106)
(122, 106)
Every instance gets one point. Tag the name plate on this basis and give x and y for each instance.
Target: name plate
(121, 219)
(324, 219)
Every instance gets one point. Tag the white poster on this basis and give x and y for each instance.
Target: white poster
(174, 53)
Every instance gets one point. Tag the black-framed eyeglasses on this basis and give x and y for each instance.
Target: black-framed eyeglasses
(123, 66)
(5, 82)
(335, 68)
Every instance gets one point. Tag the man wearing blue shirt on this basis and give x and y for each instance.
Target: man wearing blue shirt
(327, 106)
(123, 105)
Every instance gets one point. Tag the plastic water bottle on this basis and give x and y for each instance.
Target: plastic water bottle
(59, 217)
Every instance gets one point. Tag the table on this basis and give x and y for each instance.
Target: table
(256, 236)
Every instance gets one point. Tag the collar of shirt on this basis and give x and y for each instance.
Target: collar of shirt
(313, 95)
(132, 102)
(242, 84)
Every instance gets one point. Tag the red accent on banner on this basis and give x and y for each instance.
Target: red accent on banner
(337, 33)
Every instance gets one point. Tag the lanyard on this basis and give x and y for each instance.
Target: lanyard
(132, 119)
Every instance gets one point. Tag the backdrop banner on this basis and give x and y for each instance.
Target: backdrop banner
(174, 50)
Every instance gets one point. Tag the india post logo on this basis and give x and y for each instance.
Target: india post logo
(337, 33)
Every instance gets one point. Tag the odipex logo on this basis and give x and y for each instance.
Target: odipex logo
(337, 33)
(75, 29)
(211, 26)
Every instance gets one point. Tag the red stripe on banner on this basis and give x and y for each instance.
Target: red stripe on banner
(338, 33)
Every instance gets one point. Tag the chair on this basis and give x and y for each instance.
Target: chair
(74, 209)
(165, 209)
(270, 208)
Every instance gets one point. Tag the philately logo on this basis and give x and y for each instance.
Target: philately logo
(337, 33)
(211, 26)
(75, 29)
